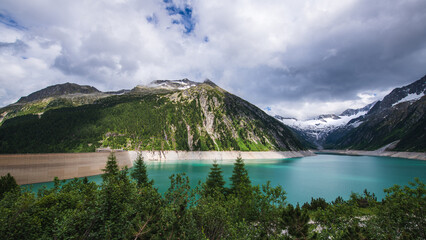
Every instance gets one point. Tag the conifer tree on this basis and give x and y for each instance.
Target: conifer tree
(239, 176)
(140, 174)
(215, 179)
(111, 168)
(115, 199)
(7, 183)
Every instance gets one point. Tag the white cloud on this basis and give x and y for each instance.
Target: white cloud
(26, 70)
(308, 110)
(300, 56)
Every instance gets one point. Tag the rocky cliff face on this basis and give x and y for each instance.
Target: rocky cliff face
(164, 115)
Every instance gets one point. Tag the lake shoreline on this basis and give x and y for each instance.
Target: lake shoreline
(408, 155)
(324, 175)
(219, 155)
(43, 167)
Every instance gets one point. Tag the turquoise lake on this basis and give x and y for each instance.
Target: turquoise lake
(324, 175)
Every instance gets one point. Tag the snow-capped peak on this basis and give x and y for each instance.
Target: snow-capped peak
(319, 127)
(173, 84)
(324, 122)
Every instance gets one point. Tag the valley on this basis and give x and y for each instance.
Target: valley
(72, 128)
(398, 121)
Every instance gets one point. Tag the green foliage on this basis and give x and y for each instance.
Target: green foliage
(316, 203)
(363, 201)
(296, 222)
(121, 209)
(111, 168)
(403, 212)
(215, 182)
(148, 213)
(116, 206)
(268, 203)
(61, 213)
(239, 178)
(177, 221)
(139, 173)
(213, 218)
(7, 184)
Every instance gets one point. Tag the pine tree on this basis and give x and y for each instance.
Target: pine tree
(239, 176)
(111, 168)
(140, 174)
(215, 180)
(115, 200)
(7, 183)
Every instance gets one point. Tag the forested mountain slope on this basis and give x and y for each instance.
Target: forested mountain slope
(166, 115)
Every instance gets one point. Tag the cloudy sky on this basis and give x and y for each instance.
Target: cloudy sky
(299, 58)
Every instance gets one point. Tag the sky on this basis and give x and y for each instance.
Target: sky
(298, 58)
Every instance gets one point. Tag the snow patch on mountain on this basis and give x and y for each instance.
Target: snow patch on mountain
(355, 124)
(410, 98)
(322, 125)
(173, 84)
(317, 129)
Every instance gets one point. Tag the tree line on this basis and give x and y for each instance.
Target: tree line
(127, 205)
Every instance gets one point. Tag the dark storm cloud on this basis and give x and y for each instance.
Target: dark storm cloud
(372, 46)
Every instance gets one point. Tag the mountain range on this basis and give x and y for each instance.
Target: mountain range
(316, 130)
(397, 122)
(187, 115)
(163, 115)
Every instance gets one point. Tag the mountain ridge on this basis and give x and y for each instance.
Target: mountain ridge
(397, 122)
(418, 87)
(316, 130)
(202, 116)
(58, 90)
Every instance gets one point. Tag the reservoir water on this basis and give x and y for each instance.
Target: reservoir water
(324, 175)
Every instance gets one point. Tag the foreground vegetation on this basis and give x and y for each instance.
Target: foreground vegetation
(128, 206)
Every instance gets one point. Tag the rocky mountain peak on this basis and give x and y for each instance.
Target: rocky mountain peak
(283, 118)
(416, 89)
(58, 90)
(325, 116)
(173, 84)
(209, 82)
(351, 112)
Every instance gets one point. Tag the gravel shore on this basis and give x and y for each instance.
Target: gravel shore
(35, 168)
(409, 155)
